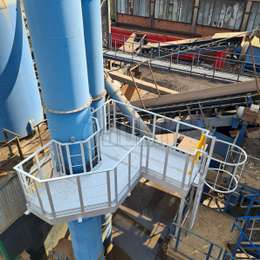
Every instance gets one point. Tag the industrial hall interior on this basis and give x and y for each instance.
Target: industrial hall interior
(129, 129)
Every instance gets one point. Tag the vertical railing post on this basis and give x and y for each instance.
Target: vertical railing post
(109, 115)
(198, 60)
(53, 159)
(129, 170)
(133, 125)
(192, 62)
(214, 71)
(98, 136)
(176, 134)
(104, 118)
(147, 156)
(141, 156)
(83, 159)
(38, 196)
(180, 214)
(239, 71)
(170, 60)
(154, 126)
(178, 55)
(114, 114)
(57, 155)
(38, 166)
(7, 142)
(69, 158)
(185, 170)
(116, 188)
(108, 189)
(50, 199)
(90, 155)
(39, 134)
(80, 194)
(18, 144)
(165, 163)
(62, 159)
(22, 180)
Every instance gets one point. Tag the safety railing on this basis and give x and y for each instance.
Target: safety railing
(10, 138)
(226, 167)
(203, 249)
(226, 160)
(88, 191)
(193, 59)
(77, 166)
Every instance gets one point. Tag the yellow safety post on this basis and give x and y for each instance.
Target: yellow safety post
(201, 145)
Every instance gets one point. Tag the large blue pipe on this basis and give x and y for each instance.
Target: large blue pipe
(91, 10)
(58, 41)
(19, 96)
(92, 20)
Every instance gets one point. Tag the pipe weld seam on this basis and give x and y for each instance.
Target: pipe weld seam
(100, 96)
(76, 110)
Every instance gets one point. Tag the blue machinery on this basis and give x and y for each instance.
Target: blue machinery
(20, 104)
(247, 225)
(58, 40)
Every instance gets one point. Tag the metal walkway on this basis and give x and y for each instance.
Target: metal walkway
(189, 69)
(121, 153)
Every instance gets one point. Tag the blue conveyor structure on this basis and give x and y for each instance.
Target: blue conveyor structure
(19, 96)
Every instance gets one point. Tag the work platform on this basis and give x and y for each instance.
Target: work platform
(61, 183)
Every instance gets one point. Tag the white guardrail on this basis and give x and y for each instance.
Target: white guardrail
(56, 163)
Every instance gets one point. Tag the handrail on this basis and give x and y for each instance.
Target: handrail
(152, 113)
(17, 167)
(205, 131)
(195, 49)
(11, 132)
(84, 173)
(232, 145)
(241, 159)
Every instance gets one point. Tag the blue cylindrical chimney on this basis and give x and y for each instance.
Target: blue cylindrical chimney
(91, 10)
(57, 33)
(19, 96)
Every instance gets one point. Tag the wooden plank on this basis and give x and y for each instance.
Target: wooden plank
(128, 91)
(150, 87)
(155, 235)
(220, 91)
(130, 45)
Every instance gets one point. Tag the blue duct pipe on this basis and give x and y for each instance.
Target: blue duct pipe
(91, 11)
(58, 40)
(19, 96)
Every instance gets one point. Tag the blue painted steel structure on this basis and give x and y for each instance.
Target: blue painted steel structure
(19, 96)
(248, 227)
(58, 40)
(93, 40)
